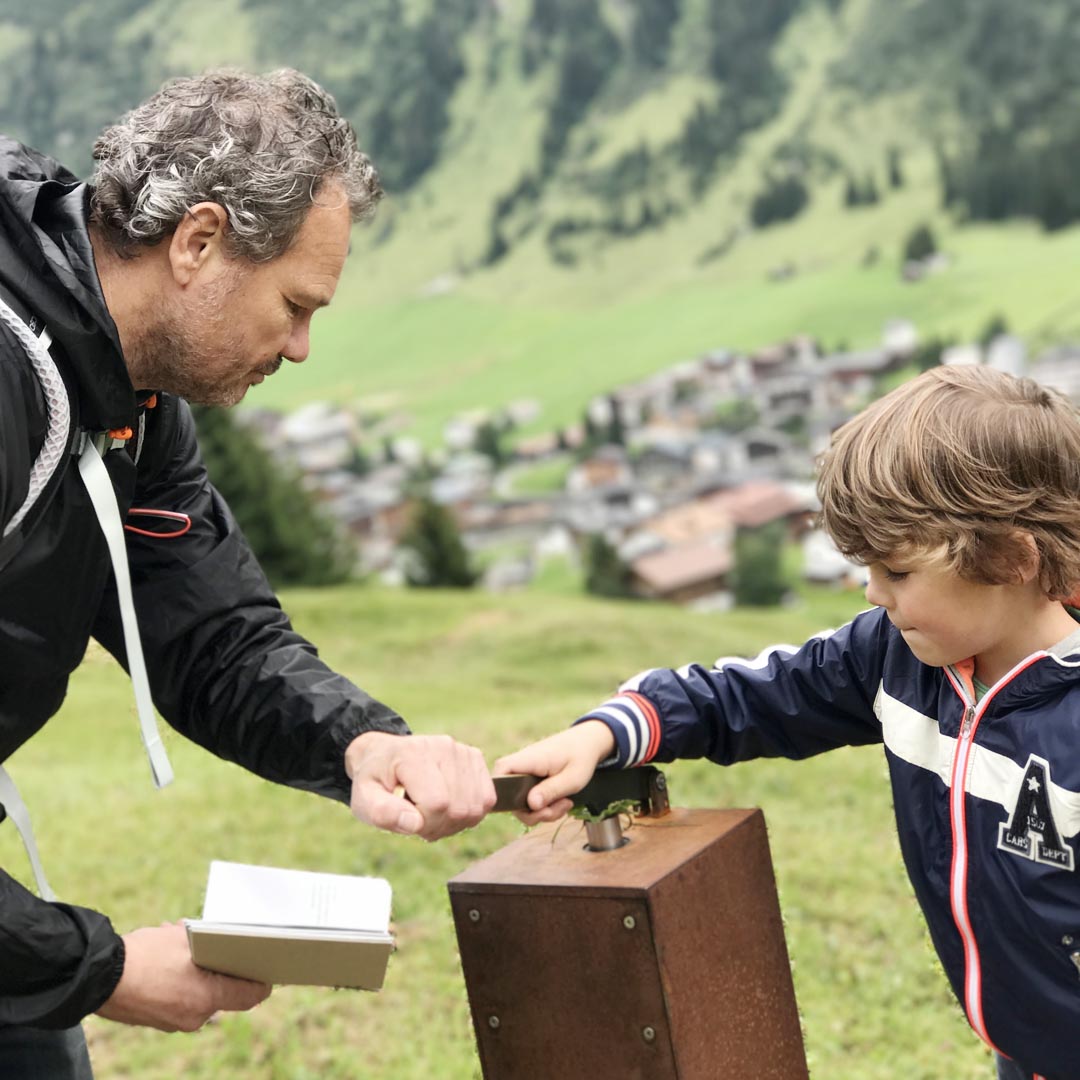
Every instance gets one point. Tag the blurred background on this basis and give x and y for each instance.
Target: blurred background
(636, 260)
(633, 252)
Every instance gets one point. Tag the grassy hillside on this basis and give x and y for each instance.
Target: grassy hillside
(496, 672)
(419, 328)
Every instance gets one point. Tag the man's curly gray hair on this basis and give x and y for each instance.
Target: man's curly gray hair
(261, 146)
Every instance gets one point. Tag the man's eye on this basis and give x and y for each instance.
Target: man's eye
(295, 310)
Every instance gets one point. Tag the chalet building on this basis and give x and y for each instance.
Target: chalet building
(537, 447)
(523, 521)
(375, 505)
(693, 573)
(664, 459)
(607, 467)
(850, 378)
(753, 505)
(702, 520)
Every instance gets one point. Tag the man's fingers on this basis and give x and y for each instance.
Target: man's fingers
(446, 782)
(161, 988)
(238, 995)
(472, 794)
(377, 806)
(462, 797)
(428, 785)
(482, 783)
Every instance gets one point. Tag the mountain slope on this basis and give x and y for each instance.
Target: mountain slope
(580, 190)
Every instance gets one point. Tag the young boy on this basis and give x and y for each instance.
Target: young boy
(960, 491)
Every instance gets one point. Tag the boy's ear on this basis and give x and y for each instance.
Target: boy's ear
(1029, 563)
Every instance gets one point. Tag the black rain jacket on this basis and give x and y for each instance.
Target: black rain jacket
(226, 668)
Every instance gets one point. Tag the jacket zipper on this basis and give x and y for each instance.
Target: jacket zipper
(958, 821)
(959, 871)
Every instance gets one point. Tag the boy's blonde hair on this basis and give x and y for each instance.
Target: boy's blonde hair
(957, 465)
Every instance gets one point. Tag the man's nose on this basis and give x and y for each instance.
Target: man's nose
(298, 345)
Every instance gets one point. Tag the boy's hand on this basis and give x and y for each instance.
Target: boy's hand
(567, 759)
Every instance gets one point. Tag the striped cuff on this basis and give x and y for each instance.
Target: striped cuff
(635, 723)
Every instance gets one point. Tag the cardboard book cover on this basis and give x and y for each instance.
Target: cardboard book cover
(293, 927)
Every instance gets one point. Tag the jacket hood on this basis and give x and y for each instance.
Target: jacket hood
(46, 260)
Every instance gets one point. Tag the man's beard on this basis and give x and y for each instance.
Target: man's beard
(187, 353)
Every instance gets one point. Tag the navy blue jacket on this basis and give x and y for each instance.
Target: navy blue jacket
(987, 799)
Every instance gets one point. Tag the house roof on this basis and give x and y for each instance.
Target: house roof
(509, 515)
(679, 567)
(748, 506)
(863, 362)
(546, 442)
(691, 522)
(758, 503)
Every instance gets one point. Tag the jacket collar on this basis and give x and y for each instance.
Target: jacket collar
(46, 259)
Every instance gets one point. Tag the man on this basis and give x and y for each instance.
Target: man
(216, 224)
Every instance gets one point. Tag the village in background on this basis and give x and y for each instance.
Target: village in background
(694, 486)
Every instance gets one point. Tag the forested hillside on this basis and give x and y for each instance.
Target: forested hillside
(558, 156)
(983, 79)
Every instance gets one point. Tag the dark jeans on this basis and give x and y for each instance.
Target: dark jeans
(1009, 1070)
(30, 1054)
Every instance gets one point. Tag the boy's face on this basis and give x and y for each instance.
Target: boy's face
(943, 617)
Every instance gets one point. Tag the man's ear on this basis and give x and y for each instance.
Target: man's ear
(198, 242)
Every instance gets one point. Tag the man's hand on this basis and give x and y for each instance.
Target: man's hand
(567, 759)
(161, 988)
(446, 784)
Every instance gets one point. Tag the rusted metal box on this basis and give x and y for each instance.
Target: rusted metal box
(663, 959)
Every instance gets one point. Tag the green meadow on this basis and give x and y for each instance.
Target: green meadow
(496, 672)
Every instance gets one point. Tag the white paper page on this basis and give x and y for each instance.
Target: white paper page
(267, 896)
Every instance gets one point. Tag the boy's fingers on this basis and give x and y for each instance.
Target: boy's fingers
(550, 813)
(557, 785)
(555, 790)
(516, 764)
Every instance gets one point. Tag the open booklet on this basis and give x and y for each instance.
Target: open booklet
(293, 926)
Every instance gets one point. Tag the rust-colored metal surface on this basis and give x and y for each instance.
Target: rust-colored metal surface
(661, 960)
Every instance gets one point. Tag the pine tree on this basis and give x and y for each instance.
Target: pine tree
(995, 326)
(650, 38)
(616, 430)
(759, 576)
(920, 244)
(895, 169)
(438, 557)
(294, 543)
(594, 436)
(605, 574)
(488, 441)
